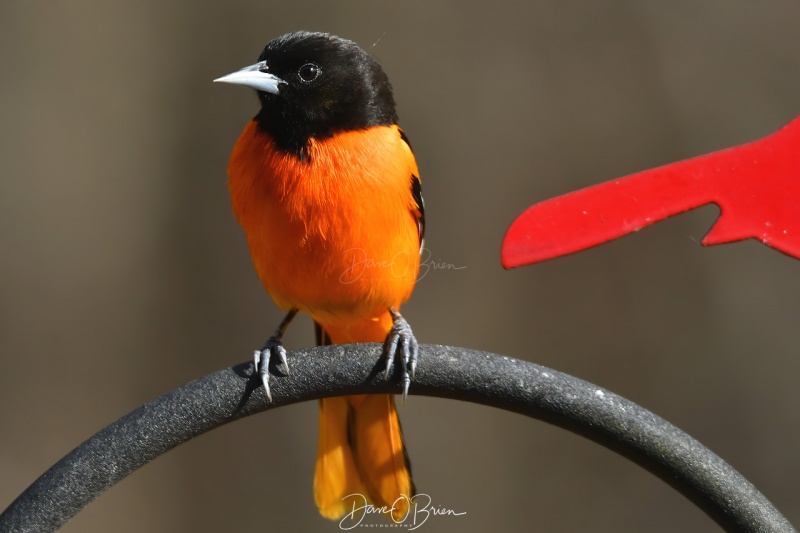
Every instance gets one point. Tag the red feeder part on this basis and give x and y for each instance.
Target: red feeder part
(755, 185)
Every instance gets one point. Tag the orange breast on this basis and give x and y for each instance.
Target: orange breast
(333, 235)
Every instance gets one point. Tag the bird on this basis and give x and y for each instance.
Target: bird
(327, 190)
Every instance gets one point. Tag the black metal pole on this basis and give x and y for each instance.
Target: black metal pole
(444, 371)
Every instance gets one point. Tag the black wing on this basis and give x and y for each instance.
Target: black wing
(416, 192)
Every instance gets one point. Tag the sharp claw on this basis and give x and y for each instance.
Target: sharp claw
(262, 366)
(282, 356)
(406, 384)
(265, 381)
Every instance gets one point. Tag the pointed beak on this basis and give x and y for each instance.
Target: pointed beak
(255, 76)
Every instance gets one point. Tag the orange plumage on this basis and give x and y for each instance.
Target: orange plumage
(334, 235)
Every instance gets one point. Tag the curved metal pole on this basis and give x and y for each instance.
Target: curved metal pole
(444, 371)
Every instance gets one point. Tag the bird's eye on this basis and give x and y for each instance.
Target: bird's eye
(309, 72)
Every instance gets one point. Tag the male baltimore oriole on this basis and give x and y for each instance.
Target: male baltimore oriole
(327, 190)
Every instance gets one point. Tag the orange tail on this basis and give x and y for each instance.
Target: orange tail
(361, 450)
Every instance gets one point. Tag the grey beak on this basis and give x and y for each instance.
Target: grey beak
(254, 76)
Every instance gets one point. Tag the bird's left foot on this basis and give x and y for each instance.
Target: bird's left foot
(401, 342)
(273, 347)
(262, 357)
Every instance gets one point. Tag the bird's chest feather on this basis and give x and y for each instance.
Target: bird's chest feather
(332, 230)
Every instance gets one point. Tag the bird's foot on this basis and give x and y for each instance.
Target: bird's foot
(262, 358)
(401, 343)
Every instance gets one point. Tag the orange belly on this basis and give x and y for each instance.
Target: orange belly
(332, 235)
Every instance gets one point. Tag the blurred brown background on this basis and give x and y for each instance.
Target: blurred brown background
(123, 273)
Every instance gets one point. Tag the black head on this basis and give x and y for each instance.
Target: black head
(315, 85)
